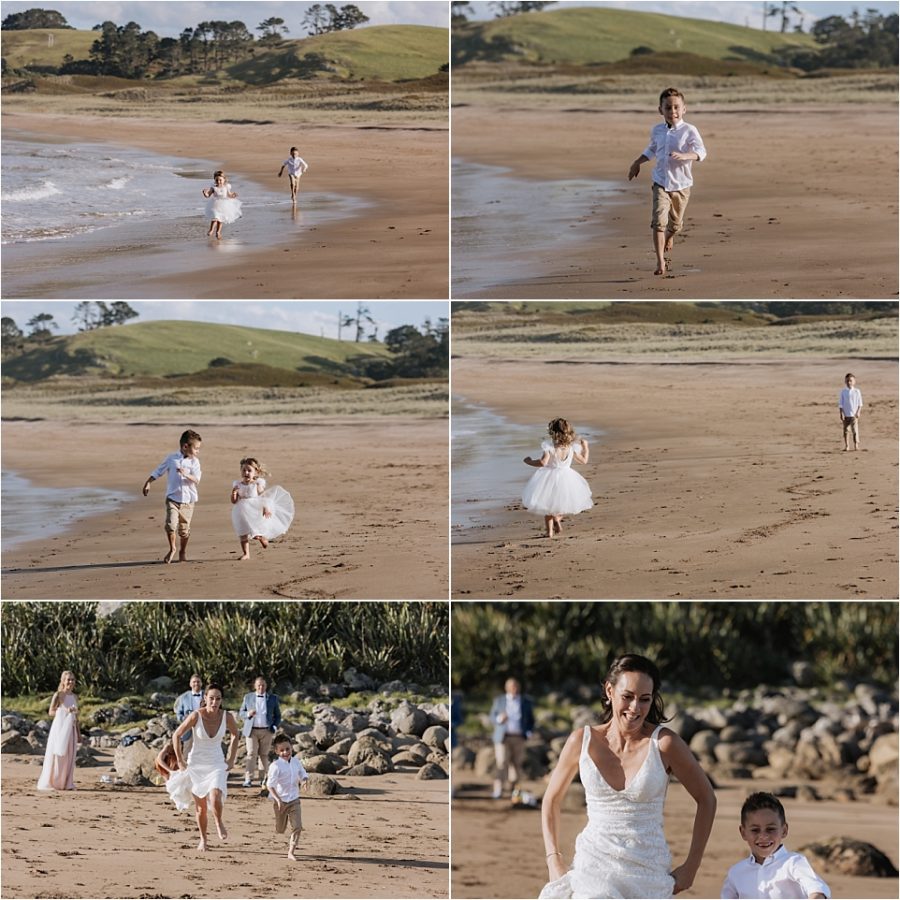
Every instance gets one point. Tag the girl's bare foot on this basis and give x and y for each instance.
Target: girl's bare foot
(263, 541)
(291, 855)
(660, 270)
(209, 233)
(202, 845)
(245, 556)
(222, 831)
(169, 557)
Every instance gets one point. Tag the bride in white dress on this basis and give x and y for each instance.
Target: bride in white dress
(206, 765)
(624, 765)
(556, 489)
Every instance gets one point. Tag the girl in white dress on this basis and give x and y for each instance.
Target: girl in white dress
(258, 512)
(624, 764)
(222, 205)
(206, 765)
(58, 773)
(556, 489)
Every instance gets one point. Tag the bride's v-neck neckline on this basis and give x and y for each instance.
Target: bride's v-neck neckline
(640, 768)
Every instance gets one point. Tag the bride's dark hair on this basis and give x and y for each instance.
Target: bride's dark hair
(632, 662)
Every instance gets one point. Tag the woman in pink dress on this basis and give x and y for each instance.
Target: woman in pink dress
(58, 773)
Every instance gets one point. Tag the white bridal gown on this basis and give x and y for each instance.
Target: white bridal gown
(206, 762)
(622, 852)
(557, 489)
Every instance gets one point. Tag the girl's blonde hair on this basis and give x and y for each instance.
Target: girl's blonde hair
(252, 461)
(62, 678)
(561, 433)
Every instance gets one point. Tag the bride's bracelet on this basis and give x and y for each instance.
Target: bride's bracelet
(554, 853)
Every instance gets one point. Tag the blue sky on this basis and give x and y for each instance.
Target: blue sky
(317, 317)
(168, 18)
(737, 12)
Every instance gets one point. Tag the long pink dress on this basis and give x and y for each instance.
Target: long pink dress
(58, 773)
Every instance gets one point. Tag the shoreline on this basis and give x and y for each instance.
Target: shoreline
(699, 506)
(397, 248)
(740, 213)
(363, 526)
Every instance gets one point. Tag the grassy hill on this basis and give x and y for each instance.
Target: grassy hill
(589, 35)
(382, 52)
(180, 348)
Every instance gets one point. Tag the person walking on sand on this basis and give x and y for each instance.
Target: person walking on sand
(58, 773)
(296, 167)
(850, 404)
(222, 205)
(261, 715)
(206, 765)
(182, 471)
(258, 513)
(190, 701)
(285, 779)
(676, 145)
(513, 718)
(556, 490)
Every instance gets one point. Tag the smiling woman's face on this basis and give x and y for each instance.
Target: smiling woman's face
(631, 698)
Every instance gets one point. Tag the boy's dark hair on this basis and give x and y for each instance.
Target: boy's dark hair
(281, 738)
(189, 437)
(293, 149)
(671, 92)
(762, 800)
(849, 375)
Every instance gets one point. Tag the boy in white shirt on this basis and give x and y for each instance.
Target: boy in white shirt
(675, 145)
(182, 471)
(850, 404)
(771, 870)
(285, 779)
(296, 167)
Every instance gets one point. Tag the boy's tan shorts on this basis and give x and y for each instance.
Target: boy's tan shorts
(851, 424)
(178, 518)
(668, 209)
(288, 812)
(295, 181)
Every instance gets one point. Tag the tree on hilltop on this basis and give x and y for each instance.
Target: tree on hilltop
(34, 18)
(272, 30)
(503, 9)
(41, 326)
(90, 315)
(324, 18)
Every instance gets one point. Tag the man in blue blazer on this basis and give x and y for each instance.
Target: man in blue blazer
(188, 702)
(261, 715)
(513, 718)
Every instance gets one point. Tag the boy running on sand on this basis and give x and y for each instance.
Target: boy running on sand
(182, 471)
(296, 167)
(285, 779)
(676, 145)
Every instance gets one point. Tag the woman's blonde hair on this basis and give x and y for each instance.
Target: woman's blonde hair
(252, 461)
(561, 433)
(62, 678)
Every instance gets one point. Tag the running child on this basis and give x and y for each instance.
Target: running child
(285, 779)
(259, 513)
(222, 205)
(296, 167)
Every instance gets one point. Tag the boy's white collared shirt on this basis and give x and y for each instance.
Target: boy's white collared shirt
(783, 874)
(668, 173)
(850, 401)
(178, 488)
(283, 776)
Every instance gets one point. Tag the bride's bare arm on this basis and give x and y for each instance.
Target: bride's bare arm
(562, 776)
(681, 763)
(231, 725)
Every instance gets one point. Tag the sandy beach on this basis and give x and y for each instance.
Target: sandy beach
(369, 523)
(396, 246)
(711, 480)
(498, 850)
(385, 837)
(770, 216)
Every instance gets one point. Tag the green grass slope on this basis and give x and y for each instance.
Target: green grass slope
(44, 46)
(382, 52)
(586, 35)
(174, 348)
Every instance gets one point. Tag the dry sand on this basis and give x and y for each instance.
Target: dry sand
(783, 207)
(712, 481)
(386, 838)
(498, 850)
(371, 522)
(397, 248)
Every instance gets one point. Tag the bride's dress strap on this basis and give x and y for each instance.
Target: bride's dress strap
(655, 736)
(586, 739)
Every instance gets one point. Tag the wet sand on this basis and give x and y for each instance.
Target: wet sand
(368, 523)
(388, 838)
(771, 215)
(396, 247)
(711, 481)
(498, 850)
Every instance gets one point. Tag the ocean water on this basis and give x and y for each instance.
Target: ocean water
(500, 220)
(30, 512)
(54, 190)
(487, 472)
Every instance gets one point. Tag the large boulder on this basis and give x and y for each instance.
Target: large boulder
(327, 734)
(883, 755)
(485, 761)
(363, 769)
(342, 747)
(161, 683)
(435, 736)
(370, 751)
(851, 857)
(409, 758)
(120, 714)
(358, 681)
(409, 719)
(322, 763)
(134, 763)
(322, 785)
(430, 771)
(13, 742)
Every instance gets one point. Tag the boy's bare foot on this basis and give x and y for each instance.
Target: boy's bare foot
(202, 845)
(245, 556)
(263, 541)
(660, 270)
(171, 554)
(182, 558)
(670, 241)
(291, 855)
